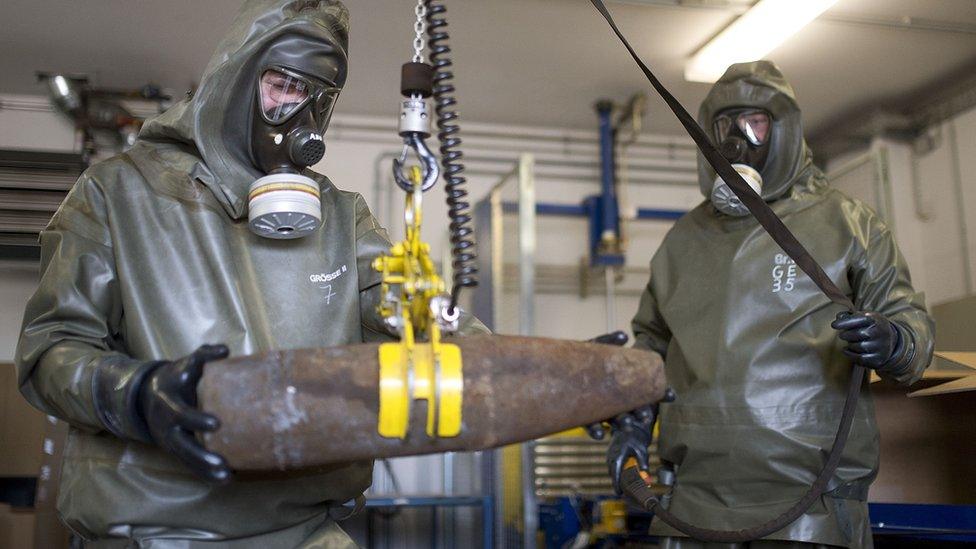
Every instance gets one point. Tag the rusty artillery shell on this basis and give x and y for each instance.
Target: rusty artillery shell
(295, 409)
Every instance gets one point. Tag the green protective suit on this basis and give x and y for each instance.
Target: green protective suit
(758, 371)
(149, 257)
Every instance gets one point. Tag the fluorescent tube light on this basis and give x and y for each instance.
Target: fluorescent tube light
(753, 35)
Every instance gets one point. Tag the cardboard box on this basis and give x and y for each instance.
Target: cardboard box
(16, 528)
(927, 447)
(21, 429)
(928, 443)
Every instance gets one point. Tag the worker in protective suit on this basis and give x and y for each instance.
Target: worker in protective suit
(758, 357)
(207, 238)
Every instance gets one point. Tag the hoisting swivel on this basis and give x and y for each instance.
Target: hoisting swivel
(413, 116)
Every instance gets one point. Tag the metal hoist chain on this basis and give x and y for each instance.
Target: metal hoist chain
(420, 28)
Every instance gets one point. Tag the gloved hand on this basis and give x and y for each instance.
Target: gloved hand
(618, 338)
(156, 403)
(874, 341)
(168, 403)
(631, 432)
(631, 436)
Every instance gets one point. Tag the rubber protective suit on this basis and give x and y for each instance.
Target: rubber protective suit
(759, 373)
(151, 256)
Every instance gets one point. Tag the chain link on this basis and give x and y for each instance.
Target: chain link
(420, 28)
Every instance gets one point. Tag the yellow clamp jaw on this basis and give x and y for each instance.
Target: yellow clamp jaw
(419, 366)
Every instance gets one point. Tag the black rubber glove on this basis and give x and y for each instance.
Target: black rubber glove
(156, 402)
(631, 432)
(632, 435)
(168, 402)
(874, 341)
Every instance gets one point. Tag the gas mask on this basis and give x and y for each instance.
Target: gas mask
(291, 114)
(743, 137)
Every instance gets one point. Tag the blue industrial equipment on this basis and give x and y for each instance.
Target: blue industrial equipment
(562, 519)
(581, 210)
(559, 522)
(604, 209)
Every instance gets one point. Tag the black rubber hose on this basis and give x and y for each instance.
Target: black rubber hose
(463, 250)
(640, 493)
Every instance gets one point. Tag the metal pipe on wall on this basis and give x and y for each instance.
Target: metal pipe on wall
(527, 244)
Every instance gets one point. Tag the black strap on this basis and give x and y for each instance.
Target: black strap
(634, 486)
(769, 221)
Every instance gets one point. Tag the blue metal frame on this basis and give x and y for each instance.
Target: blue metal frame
(486, 502)
(924, 521)
(580, 210)
(659, 214)
(602, 210)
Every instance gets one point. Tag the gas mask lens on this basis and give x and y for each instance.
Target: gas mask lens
(281, 94)
(753, 124)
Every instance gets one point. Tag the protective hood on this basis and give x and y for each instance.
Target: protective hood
(216, 119)
(760, 84)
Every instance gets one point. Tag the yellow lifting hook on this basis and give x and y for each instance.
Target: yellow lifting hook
(419, 366)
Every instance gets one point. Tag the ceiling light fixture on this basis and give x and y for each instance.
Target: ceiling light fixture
(753, 35)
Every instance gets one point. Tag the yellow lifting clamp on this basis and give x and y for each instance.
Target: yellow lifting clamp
(419, 366)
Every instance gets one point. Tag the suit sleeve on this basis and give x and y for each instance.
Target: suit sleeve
(882, 283)
(70, 329)
(650, 330)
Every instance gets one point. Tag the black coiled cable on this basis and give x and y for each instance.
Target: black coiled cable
(462, 242)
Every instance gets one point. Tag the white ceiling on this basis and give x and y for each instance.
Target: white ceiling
(534, 62)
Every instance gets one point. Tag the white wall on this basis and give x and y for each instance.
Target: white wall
(933, 199)
(965, 142)
(27, 123)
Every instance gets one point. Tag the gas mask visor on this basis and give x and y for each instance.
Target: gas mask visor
(283, 92)
(294, 112)
(753, 124)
